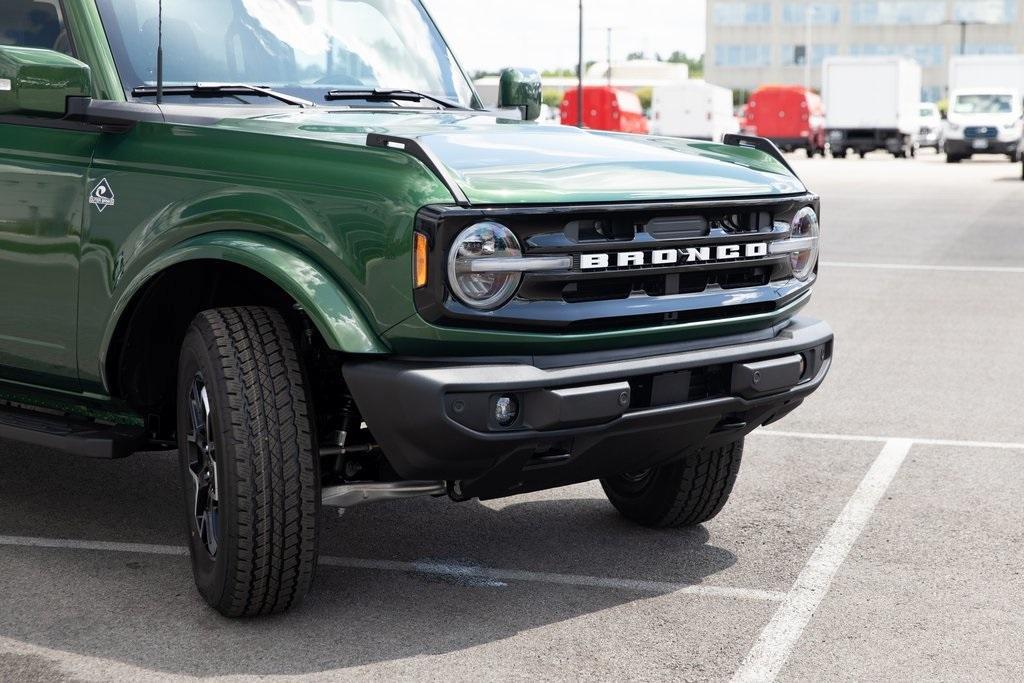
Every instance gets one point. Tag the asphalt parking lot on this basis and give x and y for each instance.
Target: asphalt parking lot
(877, 533)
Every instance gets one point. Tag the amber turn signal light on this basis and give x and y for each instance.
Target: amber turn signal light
(420, 275)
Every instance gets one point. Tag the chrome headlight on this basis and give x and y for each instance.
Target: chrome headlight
(802, 245)
(476, 245)
(486, 265)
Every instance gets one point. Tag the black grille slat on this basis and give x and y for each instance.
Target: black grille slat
(981, 132)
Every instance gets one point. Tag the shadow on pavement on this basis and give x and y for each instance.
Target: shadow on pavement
(142, 610)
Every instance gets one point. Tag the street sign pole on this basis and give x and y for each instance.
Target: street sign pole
(579, 93)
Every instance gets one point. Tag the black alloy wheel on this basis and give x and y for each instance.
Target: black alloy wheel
(202, 465)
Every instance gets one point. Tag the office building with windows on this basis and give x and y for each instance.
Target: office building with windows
(784, 41)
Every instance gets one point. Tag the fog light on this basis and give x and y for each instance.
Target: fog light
(506, 410)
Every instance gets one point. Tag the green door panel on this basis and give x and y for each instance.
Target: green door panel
(327, 305)
(42, 197)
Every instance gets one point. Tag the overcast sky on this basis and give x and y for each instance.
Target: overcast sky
(488, 35)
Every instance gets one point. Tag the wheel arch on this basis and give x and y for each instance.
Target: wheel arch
(251, 266)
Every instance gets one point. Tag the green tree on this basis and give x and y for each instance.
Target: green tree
(552, 98)
(646, 96)
(696, 64)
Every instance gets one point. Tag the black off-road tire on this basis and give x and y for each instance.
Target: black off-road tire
(680, 494)
(267, 483)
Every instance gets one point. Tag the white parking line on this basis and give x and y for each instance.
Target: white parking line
(924, 267)
(773, 647)
(1001, 445)
(432, 568)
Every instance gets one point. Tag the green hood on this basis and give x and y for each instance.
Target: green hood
(511, 162)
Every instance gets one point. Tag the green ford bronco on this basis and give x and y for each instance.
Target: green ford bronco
(285, 238)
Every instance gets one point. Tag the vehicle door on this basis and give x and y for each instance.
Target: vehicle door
(43, 196)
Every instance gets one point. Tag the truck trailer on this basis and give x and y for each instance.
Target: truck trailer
(871, 103)
(693, 109)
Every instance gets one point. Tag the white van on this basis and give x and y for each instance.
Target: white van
(984, 121)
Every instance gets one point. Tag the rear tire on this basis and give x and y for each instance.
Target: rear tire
(248, 463)
(680, 494)
(953, 159)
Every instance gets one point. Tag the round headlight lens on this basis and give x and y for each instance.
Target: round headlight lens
(804, 226)
(479, 289)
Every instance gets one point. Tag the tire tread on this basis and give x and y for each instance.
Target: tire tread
(277, 493)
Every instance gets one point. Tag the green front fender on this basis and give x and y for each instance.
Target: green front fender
(328, 306)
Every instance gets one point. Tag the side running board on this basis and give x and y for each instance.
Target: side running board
(761, 144)
(70, 435)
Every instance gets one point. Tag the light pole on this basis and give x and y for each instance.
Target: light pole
(808, 37)
(963, 24)
(609, 56)
(579, 93)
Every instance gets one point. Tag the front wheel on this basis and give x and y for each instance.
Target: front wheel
(248, 465)
(680, 494)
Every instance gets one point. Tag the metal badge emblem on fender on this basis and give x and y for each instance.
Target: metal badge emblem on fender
(673, 257)
(102, 196)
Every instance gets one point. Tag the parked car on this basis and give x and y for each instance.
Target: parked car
(789, 115)
(611, 109)
(983, 121)
(392, 293)
(693, 109)
(930, 131)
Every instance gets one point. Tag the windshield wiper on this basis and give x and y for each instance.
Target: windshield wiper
(220, 90)
(390, 96)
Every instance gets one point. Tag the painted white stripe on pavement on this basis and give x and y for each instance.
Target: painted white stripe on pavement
(73, 544)
(924, 267)
(1002, 445)
(773, 647)
(431, 568)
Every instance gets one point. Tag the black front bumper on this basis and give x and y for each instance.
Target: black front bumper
(968, 148)
(435, 420)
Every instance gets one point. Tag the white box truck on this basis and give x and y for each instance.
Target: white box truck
(984, 71)
(871, 103)
(693, 109)
(986, 106)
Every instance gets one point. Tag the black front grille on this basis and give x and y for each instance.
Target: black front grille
(643, 294)
(981, 132)
(577, 291)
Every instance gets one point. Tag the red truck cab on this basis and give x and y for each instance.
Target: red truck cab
(605, 109)
(789, 115)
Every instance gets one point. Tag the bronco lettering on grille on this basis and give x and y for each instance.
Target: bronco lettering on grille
(671, 257)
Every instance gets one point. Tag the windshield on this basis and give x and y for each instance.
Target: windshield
(983, 104)
(301, 47)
